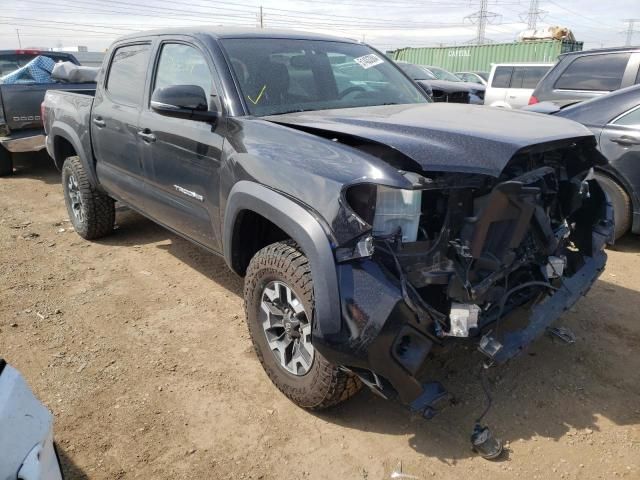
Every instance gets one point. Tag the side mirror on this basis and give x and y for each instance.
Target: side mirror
(182, 101)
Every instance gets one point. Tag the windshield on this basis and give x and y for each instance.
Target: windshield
(442, 74)
(288, 75)
(484, 75)
(416, 72)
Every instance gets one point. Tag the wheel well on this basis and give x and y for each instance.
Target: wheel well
(252, 232)
(62, 150)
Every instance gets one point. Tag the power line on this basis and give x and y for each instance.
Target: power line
(630, 30)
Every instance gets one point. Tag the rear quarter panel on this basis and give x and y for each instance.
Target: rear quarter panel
(67, 117)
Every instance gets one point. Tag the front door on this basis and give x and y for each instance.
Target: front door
(181, 156)
(114, 124)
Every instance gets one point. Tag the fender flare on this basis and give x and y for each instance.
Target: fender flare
(61, 130)
(299, 224)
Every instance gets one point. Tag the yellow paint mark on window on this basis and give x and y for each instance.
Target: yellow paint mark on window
(255, 102)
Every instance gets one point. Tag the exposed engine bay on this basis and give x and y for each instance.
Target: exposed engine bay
(465, 250)
(483, 246)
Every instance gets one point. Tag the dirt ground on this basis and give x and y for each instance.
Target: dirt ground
(138, 345)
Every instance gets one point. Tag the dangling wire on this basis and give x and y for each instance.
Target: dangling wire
(483, 381)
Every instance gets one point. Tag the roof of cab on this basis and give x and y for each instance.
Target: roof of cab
(236, 32)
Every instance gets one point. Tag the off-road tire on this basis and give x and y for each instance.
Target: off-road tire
(621, 203)
(324, 385)
(98, 209)
(6, 162)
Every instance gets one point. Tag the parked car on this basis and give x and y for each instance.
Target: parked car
(373, 228)
(615, 121)
(20, 122)
(586, 74)
(511, 84)
(474, 77)
(26, 431)
(444, 86)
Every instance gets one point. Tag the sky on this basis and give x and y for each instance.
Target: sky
(386, 25)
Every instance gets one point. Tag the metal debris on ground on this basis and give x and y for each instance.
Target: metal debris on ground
(562, 333)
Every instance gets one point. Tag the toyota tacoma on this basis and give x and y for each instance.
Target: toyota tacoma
(373, 228)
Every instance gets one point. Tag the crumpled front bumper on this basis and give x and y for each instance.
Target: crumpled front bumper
(387, 345)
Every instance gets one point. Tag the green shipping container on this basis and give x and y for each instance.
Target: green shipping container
(478, 58)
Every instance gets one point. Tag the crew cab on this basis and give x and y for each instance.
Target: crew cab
(373, 228)
(20, 122)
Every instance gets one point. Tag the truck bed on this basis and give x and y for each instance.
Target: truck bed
(21, 130)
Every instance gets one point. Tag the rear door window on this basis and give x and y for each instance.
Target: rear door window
(125, 83)
(594, 72)
(527, 77)
(502, 77)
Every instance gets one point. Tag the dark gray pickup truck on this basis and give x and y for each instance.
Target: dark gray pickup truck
(374, 229)
(20, 122)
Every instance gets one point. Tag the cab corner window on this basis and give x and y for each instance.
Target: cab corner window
(182, 64)
(125, 82)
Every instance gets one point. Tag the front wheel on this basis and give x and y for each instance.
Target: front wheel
(279, 307)
(92, 213)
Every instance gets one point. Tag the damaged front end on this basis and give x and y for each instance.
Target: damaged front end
(450, 259)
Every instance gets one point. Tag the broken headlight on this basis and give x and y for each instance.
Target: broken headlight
(388, 210)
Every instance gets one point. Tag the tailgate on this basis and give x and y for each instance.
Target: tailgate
(21, 103)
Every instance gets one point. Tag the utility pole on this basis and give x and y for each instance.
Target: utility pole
(630, 30)
(19, 41)
(481, 18)
(534, 14)
(261, 18)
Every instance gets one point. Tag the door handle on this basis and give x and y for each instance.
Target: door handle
(626, 140)
(147, 135)
(98, 122)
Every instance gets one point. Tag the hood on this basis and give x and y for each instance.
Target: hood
(447, 86)
(442, 137)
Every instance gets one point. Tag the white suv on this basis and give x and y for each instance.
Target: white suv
(511, 84)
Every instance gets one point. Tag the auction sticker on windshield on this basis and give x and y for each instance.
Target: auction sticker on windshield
(368, 61)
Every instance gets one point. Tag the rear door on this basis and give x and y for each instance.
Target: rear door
(114, 123)
(523, 83)
(499, 83)
(181, 156)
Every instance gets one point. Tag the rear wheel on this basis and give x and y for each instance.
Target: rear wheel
(92, 213)
(6, 162)
(621, 203)
(279, 306)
